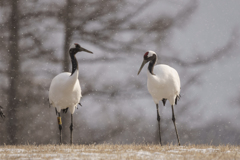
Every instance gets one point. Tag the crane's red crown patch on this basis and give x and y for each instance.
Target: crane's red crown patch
(145, 55)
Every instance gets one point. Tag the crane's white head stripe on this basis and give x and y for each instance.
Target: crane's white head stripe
(151, 53)
(72, 46)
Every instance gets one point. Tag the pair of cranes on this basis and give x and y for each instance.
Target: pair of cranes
(163, 84)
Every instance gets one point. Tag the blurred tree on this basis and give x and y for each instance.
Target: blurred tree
(66, 18)
(13, 72)
(20, 42)
(68, 32)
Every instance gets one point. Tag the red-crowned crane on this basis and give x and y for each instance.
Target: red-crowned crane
(163, 84)
(65, 90)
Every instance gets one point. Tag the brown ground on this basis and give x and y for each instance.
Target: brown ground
(110, 151)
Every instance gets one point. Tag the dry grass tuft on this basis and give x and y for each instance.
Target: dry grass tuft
(110, 151)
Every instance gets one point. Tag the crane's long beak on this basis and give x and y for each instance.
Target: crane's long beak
(83, 49)
(143, 63)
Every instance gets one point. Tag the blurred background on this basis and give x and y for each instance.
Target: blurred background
(199, 38)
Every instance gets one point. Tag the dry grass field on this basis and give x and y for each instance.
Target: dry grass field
(110, 151)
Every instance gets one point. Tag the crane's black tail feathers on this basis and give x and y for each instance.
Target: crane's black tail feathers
(177, 98)
(164, 101)
(65, 110)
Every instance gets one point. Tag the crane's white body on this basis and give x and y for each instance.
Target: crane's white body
(65, 91)
(165, 84)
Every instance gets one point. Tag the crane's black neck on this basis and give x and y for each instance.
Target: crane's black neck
(152, 64)
(74, 61)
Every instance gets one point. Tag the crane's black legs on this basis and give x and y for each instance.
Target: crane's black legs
(71, 130)
(158, 119)
(60, 126)
(173, 119)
